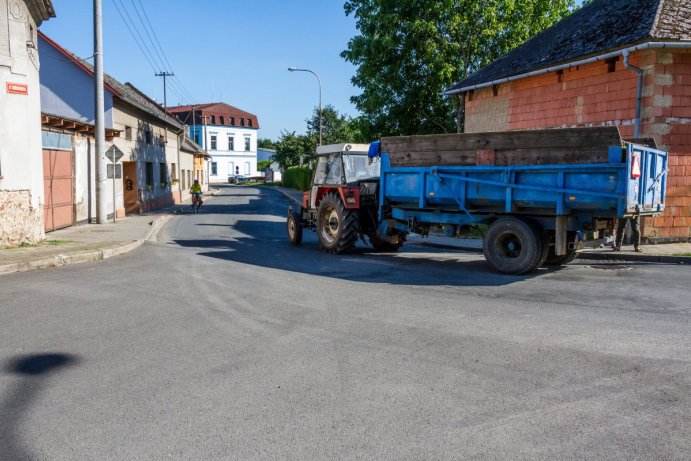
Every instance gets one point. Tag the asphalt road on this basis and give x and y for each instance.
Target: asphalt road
(222, 341)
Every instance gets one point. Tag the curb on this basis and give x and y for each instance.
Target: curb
(84, 256)
(665, 259)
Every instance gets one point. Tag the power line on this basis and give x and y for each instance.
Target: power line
(154, 34)
(146, 31)
(141, 41)
(133, 37)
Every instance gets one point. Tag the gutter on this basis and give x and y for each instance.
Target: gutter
(639, 92)
(601, 57)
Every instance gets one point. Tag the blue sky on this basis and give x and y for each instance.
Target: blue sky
(226, 50)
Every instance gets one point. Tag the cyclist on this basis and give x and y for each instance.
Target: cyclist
(196, 191)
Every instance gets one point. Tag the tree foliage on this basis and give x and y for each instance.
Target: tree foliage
(409, 51)
(265, 143)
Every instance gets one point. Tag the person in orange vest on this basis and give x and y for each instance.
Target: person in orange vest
(635, 233)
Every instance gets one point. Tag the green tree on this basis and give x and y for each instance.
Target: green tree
(265, 143)
(409, 51)
(294, 149)
(336, 128)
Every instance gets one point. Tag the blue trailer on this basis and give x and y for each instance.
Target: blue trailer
(536, 213)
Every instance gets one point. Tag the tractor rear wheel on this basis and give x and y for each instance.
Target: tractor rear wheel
(513, 246)
(294, 228)
(337, 226)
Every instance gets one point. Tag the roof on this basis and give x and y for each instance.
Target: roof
(125, 92)
(70, 124)
(217, 109)
(601, 26)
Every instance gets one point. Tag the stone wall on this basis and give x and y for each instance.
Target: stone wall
(20, 222)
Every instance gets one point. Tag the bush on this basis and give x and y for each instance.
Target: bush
(297, 177)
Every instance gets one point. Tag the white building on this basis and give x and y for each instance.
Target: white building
(227, 133)
(22, 197)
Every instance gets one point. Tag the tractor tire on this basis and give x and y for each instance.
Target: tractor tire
(294, 229)
(513, 246)
(337, 227)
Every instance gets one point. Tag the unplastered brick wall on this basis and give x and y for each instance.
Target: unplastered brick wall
(19, 221)
(601, 94)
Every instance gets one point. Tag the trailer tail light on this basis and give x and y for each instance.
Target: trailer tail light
(635, 167)
(350, 199)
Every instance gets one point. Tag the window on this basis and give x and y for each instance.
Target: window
(247, 144)
(221, 120)
(231, 168)
(242, 121)
(247, 168)
(249, 122)
(231, 142)
(173, 172)
(213, 119)
(213, 142)
(162, 174)
(149, 174)
(214, 169)
(147, 136)
(232, 121)
(128, 133)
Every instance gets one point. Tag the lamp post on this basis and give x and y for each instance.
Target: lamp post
(295, 69)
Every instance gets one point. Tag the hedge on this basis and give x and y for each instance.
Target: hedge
(297, 177)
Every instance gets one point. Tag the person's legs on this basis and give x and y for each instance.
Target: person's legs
(619, 236)
(636, 233)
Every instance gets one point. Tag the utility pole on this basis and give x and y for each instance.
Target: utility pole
(164, 74)
(101, 202)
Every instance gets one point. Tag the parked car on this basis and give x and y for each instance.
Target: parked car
(237, 179)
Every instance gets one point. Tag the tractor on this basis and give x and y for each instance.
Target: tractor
(342, 203)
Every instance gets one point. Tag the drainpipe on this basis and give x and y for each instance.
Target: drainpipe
(639, 95)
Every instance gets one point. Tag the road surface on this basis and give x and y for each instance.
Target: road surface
(221, 341)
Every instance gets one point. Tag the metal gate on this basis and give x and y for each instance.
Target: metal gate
(58, 179)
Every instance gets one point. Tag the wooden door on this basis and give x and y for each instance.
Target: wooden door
(58, 187)
(129, 186)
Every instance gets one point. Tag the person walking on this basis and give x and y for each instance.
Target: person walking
(635, 233)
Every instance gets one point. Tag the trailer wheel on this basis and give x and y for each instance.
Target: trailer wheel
(337, 226)
(513, 246)
(294, 228)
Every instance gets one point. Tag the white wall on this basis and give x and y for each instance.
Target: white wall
(238, 156)
(21, 157)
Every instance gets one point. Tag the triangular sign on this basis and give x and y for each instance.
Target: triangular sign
(635, 168)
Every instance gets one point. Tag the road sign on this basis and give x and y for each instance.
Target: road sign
(113, 151)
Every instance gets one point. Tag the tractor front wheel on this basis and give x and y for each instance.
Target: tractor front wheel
(294, 228)
(337, 226)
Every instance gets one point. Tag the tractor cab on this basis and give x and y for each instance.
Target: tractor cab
(340, 166)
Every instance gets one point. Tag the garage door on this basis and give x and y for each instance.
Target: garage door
(58, 185)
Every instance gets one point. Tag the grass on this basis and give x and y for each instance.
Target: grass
(683, 254)
(34, 245)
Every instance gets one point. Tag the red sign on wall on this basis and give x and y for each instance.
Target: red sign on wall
(17, 88)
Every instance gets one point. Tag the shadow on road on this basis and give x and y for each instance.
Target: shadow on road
(34, 371)
(264, 243)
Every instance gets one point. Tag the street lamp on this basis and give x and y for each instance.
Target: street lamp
(295, 69)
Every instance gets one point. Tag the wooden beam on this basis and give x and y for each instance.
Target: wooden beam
(528, 139)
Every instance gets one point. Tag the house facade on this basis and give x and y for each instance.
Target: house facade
(145, 159)
(21, 164)
(227, 134)
(586, 71)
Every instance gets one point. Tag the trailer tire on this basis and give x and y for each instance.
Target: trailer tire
(337, 226)
(294, 226)
(513, 246)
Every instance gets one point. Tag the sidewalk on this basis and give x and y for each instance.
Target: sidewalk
(663, 253)
(88, 242)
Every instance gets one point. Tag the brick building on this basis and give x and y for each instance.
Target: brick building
(587, 71)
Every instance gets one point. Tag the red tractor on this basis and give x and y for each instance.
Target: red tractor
(342, 204)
